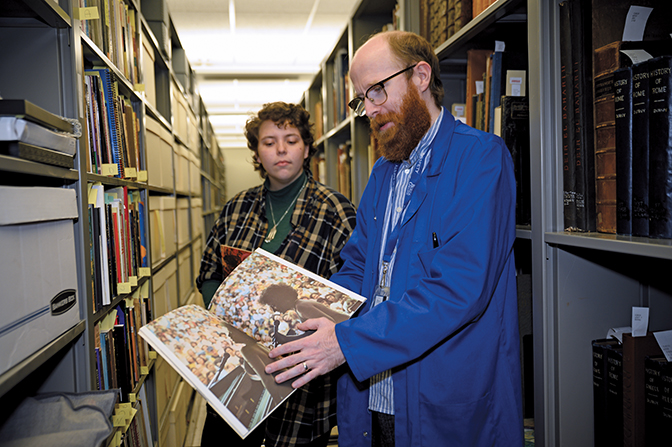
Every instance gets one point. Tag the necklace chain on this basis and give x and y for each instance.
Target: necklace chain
(273, 230)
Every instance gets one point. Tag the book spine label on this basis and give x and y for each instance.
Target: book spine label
(640, 149)
(567, 95)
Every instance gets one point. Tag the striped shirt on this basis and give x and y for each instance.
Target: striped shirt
(381, 392)
(322, 221)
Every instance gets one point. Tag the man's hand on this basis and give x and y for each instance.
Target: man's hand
(314, 355)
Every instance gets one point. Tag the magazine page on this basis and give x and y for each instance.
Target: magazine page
(231, 257)
(266, 297)
(223, 364)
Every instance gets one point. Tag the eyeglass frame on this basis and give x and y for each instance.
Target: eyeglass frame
(358, 102)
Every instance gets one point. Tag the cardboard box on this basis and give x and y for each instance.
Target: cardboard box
(195, 174)
(177, 417)
(166, 386)
(179, 114)
(186, 280)
(182, 222)
(164, 285)
(159, 155)
(162, 227)
(38, 269)
(196, 217)
(181, 169)
(148, 76)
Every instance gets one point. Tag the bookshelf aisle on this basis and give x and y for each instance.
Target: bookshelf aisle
(136, 185)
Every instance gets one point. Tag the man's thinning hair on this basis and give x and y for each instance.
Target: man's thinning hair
(410, 48)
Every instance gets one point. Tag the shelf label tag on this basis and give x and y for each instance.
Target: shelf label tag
(124, 287)
(640, 321)
(139, 87)
(143, 272)
(109, 169)
(130, 172)
(635, 23)
(142, 176)
(144, 370)
(133, 280)
(87, 13)
(664, 339)
(152, 355)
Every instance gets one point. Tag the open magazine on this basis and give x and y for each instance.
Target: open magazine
(222, 351)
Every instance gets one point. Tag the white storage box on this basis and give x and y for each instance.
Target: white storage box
(181, 169)
(148, 76)
(164, 285)
(184, 267)
(195, 174)
(162, 227)
(38, 269)
(182, 222)
(159, 154)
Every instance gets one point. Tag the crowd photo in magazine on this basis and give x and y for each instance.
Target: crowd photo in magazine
(222, 351)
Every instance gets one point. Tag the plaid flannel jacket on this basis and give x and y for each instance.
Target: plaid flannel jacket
(321, 225)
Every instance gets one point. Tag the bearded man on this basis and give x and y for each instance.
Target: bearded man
(433, 357)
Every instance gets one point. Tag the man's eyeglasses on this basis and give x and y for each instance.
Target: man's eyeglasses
(376, 94)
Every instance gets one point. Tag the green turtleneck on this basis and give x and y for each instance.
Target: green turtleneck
(281, 200)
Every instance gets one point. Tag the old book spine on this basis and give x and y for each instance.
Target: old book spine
(660, 148)
(640, 149)
(653, 427)
(516, 136)
(614, 395)
(567, 95)
(635, 350)
(584, 158)
(600, 393)
(623, 110)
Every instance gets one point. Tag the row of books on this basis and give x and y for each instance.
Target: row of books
(122, 357)
(615, 161)
(344, 169)
(112, 27)
(114, 128)
(440, 19)
(497, 103)
(632, 392)
(341, 87)
(133, 423)
(30, 132)
(118, 242)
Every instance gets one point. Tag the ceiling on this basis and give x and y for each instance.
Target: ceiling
(246, 53)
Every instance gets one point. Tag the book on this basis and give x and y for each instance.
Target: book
(614, 371)
(640, 149)
(567, 116)
(221, 352)
(583, 161)
(600, 349)
(655, 429)
(623, 144)
(660, 147)
(19, 129)
(635, 350)
(476, 62)
(515, 125)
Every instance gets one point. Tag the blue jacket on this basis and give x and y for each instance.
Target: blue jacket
(449, 330)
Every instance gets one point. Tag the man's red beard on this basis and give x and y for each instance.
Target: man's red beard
(410, 124)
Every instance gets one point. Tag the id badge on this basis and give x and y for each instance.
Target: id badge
(381, 294)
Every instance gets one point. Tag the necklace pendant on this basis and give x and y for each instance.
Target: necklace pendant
(271, 235)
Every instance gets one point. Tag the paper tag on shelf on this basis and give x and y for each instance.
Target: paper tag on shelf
(130, 172)
(635, 23)
(119, 420)
(133, 280)
(129, 303)
(640, 321)
(142, 176)
(664, 339)
(132, 398)
(139, 87)
(143, 272)
(87, 13)
(109, 169)
(116, 440)
(499, 46)
(617, 332)
(152, 355)
(124, 287)
(144, 370)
